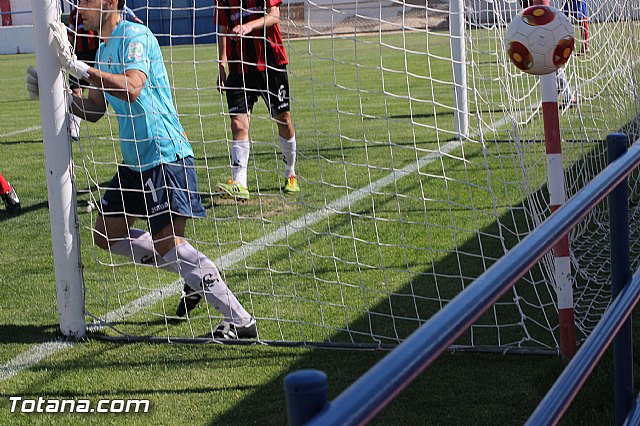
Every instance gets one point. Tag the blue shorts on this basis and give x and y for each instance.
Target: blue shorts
(156, 194)
(576, 9)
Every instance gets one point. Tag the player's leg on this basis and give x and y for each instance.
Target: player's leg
(9, 196)
(585, 36)
(240, 148)
(289, 148)
(239, 101)
(4, 185)
(279, 102)
(198, 271)
(109, 231)
(576, 10)
(584, 25)
(117, 235)
(568, 97)
(203, 277)
(114, 229)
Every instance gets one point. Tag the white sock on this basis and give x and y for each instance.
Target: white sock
(74, 125)
(240, 157)
(139, 248)
(563, 85)
(196, 269)
(289, 148)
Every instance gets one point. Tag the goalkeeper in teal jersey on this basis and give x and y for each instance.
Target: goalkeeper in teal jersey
(157, 180)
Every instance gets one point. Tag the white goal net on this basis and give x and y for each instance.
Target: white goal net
(406, 195)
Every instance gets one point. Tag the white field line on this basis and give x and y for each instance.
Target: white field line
(248, 249)
(38, 353)
(17, 132)
(33, 356)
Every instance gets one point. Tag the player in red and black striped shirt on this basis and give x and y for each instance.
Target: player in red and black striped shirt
(85, 45)
(250, 45)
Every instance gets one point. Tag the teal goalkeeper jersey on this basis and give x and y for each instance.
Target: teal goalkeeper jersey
(149, 130)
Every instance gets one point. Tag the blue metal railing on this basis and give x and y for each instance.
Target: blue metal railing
(575, 374)
(361, 401)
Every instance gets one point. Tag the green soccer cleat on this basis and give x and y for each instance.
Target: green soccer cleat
(232, 189)
(292, 185)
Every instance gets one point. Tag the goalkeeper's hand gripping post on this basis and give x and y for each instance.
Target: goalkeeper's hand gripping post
(67, 58)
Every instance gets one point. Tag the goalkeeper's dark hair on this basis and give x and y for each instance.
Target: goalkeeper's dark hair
(121, 4)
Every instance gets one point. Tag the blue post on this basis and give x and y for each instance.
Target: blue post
(620, 276)
(306, 392)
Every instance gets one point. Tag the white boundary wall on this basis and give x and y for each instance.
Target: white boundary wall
(17, 39)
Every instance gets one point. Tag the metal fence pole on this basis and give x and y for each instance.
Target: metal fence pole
(306, 392)
(620, 276)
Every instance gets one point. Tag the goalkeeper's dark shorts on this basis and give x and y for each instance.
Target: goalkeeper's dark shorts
(156, 194)
(271, 85)
(88, 56)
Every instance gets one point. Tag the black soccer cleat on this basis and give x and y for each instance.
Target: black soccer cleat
(188, 301)
(229, 331)
(11, 201)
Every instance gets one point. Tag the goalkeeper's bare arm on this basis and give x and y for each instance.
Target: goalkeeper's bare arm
(125, 86)
(92, 108)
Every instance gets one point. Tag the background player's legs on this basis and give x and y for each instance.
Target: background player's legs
(584, 26)
(576, 10)
(568, 96)
(287, 136)
(9, 196)
(237, 186)
(240, 148)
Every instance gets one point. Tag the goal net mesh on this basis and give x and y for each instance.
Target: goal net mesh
(396, 214)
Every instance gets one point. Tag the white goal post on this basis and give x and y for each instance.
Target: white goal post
(60, 175)
(420, 159)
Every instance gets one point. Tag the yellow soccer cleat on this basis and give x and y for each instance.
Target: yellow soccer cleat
(292, 185)
(232, 189)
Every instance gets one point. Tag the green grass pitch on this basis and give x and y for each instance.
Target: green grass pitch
(222, 385)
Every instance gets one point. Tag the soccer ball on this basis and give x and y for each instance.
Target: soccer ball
(539, 40)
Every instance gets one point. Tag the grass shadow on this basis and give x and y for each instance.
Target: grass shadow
(465, 381)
